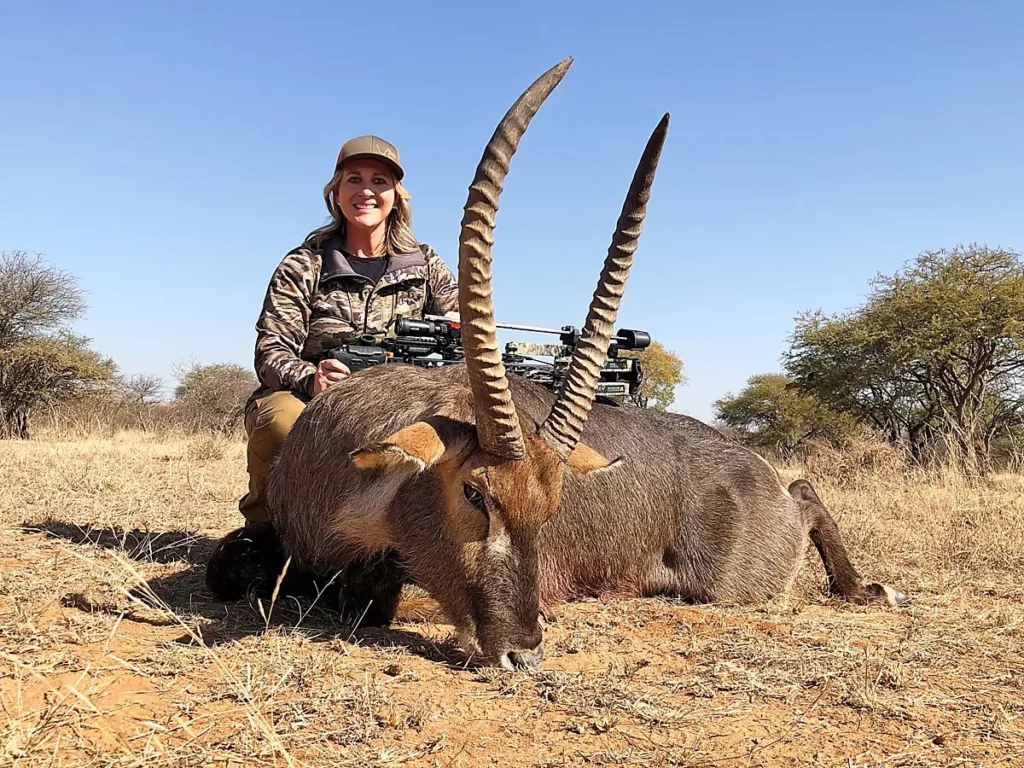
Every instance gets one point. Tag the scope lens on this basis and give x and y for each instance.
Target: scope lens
(407, 326)
(630, 339)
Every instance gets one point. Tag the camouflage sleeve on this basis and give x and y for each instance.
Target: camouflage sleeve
(442, 287)
(283, 324)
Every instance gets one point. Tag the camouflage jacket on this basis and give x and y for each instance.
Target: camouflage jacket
(316, 301)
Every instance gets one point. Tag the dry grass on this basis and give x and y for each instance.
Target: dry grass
(111, 652)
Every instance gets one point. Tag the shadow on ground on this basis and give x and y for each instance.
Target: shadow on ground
(186, 594)
(142, 546)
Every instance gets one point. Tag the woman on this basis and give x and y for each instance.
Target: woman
(351, 277)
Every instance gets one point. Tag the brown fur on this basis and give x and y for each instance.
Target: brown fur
(683, 512)
(586, 459)
(498, 499)
(419, 443)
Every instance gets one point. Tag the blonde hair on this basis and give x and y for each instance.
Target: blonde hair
(398, 236)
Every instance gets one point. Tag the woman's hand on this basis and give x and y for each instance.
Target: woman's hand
(329, 372)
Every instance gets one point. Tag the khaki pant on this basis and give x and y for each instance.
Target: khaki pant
(268, 420)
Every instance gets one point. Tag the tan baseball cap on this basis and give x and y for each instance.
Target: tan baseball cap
(374, 147)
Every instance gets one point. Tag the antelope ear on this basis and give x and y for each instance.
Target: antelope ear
(585, 459)
(421, 445)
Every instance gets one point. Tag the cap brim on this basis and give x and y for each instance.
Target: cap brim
(395, 167)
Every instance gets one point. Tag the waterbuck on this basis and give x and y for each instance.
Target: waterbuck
(494, 494)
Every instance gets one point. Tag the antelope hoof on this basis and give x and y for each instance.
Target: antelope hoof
(244, 558)
(895, 598)
(879, 593)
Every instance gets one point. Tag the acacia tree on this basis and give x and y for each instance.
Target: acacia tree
(214, 396)
(142, 389)
(35, 298)
(773, 414)
(841, 362)
(41, 361)
(937, 350)
(663, 372)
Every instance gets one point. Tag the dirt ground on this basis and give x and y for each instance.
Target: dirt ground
(112, 653)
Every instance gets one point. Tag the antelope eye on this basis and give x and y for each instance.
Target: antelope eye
(474, 497)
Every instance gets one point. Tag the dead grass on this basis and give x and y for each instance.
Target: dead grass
(112, 653)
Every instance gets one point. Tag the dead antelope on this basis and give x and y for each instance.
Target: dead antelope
(494, 494)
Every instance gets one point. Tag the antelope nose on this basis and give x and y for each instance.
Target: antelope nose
(527, 659)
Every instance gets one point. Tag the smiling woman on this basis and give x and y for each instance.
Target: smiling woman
(351, 277)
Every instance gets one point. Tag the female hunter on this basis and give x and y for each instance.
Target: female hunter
(353, 276)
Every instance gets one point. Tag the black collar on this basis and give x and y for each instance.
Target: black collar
(335, 265)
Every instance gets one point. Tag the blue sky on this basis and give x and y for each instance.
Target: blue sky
(170, 154)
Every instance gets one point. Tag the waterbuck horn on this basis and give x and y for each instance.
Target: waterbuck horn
(497, 424)
(563, 426)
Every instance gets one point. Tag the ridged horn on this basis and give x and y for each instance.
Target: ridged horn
(497, 424)
(564, 425)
